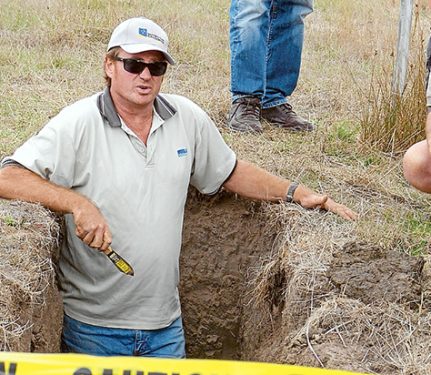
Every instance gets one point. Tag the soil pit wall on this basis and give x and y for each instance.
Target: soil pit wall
(224, 238)
(30, 304)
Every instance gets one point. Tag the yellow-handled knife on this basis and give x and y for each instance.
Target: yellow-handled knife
(119, 262)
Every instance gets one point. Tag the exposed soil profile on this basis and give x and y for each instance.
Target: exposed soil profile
(30, 304)
(259, 282)
(223, 238)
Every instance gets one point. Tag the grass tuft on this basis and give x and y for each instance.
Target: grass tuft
(392, 122)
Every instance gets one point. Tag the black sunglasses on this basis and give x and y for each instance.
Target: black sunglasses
(136, 66)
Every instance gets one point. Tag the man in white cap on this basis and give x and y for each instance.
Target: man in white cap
(118, 165)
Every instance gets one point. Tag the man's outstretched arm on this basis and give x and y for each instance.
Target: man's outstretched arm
(22, 184)
(253, 182)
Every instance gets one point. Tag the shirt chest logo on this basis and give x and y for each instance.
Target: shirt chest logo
(181, 152)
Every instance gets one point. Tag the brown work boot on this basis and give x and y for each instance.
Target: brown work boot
(284, 117)
(245, 114)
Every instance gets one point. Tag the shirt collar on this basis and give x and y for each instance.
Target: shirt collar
(107, 109)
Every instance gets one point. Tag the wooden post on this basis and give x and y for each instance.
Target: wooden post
(400, 71)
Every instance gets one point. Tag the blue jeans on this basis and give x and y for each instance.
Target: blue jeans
(78, 337)
(266, 38)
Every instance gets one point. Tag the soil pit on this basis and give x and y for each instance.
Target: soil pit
(259, 282)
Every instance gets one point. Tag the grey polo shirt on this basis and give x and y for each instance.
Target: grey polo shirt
(140, 189)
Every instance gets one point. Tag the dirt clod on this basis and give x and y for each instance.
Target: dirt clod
(369, 274)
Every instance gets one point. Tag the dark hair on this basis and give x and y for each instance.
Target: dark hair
(110, 55)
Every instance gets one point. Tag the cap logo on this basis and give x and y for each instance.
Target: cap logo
(144, 32)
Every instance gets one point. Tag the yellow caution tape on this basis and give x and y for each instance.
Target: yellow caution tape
(79, 364)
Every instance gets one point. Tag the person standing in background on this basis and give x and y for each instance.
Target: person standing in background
(266, 38)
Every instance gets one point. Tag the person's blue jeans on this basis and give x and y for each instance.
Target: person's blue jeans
(266, 38)
(78, 337)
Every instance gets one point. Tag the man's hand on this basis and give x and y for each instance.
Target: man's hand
(91, 226)
(311, 200)
(340, 209)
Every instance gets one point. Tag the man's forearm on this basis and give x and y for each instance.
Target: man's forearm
(251, 181)
(22, 184)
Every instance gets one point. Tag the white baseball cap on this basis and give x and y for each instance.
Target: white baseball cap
(139, 35)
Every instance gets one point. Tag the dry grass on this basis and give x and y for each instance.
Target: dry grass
(391, 122)
(51, 53)
(394, 336)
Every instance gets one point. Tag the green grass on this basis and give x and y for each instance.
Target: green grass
(16, 18)
(419, 226)
(10, 221)
(345, 131)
